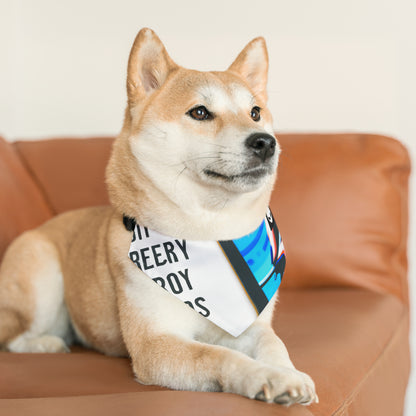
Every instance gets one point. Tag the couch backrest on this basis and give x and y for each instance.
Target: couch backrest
(342, 206)
(340, 202)
(69, 171)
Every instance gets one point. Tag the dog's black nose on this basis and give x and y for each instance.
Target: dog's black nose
(262, 145)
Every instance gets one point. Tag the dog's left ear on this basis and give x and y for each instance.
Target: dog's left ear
(252, 64)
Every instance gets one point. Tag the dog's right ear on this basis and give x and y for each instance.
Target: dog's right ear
(149, 66)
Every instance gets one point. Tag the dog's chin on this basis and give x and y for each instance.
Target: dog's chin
(246, 181)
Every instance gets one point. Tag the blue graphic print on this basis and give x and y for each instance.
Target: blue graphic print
(260, 250)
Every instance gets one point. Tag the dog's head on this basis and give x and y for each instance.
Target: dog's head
(203, 133)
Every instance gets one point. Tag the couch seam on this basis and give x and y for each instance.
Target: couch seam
(35, 179)
(404, 222)
(348, 401)
(398, 174)
(405, 231)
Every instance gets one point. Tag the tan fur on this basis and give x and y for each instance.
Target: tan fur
(17, 300)
(72, 277)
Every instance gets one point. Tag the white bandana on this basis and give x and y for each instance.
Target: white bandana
(227, 282)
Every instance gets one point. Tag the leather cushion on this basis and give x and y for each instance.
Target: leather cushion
(337, 336)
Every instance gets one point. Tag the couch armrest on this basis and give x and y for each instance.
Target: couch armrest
(22, 205)
(341, 203)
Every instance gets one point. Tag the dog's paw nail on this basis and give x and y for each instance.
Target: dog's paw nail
(264, 394)
(295, 394)
(316, 398)
(267, 393)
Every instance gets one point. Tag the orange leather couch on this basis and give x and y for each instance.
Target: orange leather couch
(341, 205)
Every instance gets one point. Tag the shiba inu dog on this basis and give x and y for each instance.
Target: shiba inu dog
(196, 159)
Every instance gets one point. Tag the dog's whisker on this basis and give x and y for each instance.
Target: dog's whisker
(214, 144)
(217, 165)
(232, 153)
(184, 162)
(202, 157)
(178, 176)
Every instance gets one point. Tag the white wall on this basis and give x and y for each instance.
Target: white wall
(335, 65)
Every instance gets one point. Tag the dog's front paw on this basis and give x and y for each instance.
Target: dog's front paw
(282, 385)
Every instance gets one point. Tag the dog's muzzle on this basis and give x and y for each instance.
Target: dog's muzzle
(262, 145)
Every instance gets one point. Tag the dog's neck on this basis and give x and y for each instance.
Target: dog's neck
(199, 218)
(196, 215)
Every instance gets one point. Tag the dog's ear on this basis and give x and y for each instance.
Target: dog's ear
(149, 66)
(252, 64)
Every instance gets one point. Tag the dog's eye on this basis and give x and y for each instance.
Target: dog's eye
(255, 113)
(200, 113)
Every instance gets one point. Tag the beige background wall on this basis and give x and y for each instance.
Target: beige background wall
(335, 65)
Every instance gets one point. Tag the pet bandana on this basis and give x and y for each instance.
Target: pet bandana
(228, 282)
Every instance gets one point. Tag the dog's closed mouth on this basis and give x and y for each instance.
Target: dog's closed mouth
(250, 173)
